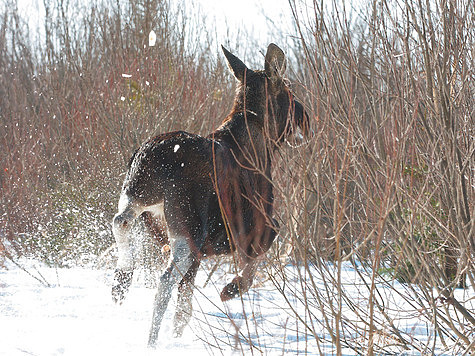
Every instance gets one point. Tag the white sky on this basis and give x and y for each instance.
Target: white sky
(250, 15)
(234, 21)
(225, 17)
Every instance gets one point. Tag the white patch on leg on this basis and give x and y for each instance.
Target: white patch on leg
(121, 226)
(178, 266)
(124, 202)
(184, 310)
(128, 211)
(181, 258)
(123, 243)
(157, 211)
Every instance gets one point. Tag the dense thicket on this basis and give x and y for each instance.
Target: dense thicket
(387, 182)
(389, 179)
(77, 97)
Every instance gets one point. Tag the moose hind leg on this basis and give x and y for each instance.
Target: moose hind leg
(179, 264)
(121, 226)
(184, 307)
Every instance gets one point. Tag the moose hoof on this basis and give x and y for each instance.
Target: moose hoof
(122, 282)
(232, 290)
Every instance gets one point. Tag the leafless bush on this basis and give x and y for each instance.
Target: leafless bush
(387, 184)
(385, 187)
(78, 98)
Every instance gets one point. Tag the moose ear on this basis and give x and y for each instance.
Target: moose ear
(235, 64)
(275, 62)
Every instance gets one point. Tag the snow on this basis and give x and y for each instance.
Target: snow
(76, 315)
(176, 148)
(152, 38)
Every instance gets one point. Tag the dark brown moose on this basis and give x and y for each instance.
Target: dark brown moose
(212, 194)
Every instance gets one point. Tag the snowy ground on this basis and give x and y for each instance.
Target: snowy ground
(76, 316)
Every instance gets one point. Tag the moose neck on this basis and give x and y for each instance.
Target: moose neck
(243, 132)
(249, 99)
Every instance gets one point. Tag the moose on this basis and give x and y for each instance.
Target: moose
(213, 195)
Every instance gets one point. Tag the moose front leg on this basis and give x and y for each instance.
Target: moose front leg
(241, 283)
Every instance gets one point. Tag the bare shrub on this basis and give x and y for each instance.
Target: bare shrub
(386, 185)
(382, 194)
(76, 102)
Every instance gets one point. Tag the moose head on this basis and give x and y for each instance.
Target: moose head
(266, 95)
